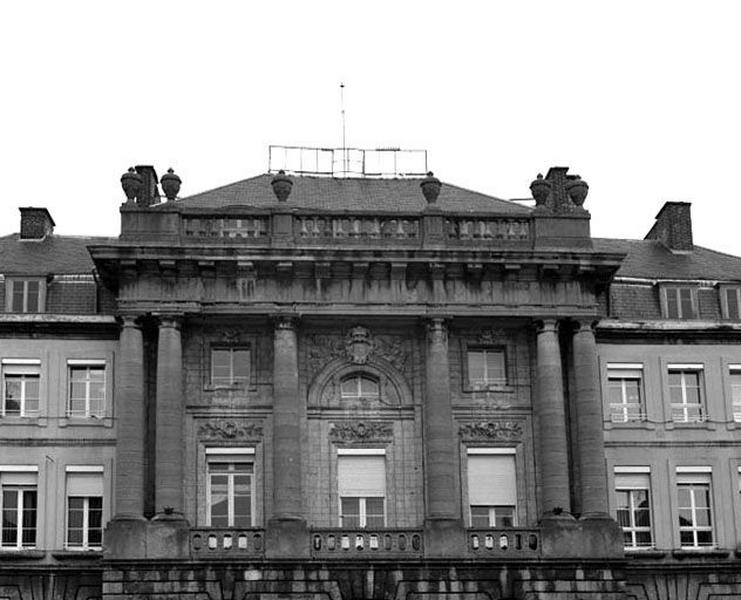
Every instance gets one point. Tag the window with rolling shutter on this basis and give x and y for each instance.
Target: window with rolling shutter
(18, 506)
(231, 487)
(492, 488)
(361, 482)
(633, 494)
(85, 508)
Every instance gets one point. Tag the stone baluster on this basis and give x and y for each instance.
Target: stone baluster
(551, 417)
(590, 434)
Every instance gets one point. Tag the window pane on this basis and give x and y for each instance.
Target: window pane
(685, 296)
(241, 360)
(18, 296)
(368, 387)
(13, 385)
(480, 517)
(349, 387)
(643, 538)
(374, 506)
(672, 306)
(732, 303)
(686, 538)
(505, 516)
(350, 512)
(705, 538)
(476, 367)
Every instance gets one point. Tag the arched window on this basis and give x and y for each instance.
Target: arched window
(359, 385)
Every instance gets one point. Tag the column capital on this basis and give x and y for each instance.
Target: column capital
(285, 321)
(437, 330)
(584, 324)
(130, 321)
(546, 326)
(171, 320)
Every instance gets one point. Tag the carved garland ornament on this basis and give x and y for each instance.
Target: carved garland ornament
(361, 431)
(357, 347)
(229, 430)
(488, 431)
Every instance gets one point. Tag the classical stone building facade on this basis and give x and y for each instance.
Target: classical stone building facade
(368, 388)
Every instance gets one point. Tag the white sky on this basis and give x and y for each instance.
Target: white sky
(643, 99)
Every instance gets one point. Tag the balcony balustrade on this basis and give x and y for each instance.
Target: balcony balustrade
(364, 543)
(227, 543)
(356, 228)
(492, 229)
(503, 543)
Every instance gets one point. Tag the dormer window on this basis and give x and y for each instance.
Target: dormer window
(680, 302)
(359, 386)
(730, 302)
(25, 295)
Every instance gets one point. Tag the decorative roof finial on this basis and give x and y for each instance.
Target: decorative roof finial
(170, 184)
(282, 185)
(132, 183)
(431, 187)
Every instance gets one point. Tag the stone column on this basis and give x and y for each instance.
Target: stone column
(590, 431)
(169, 446)
(551, 416)
(443, 523)
(130, 422)
(287, 533)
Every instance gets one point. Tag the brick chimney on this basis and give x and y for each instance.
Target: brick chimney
(150, 193)
(673, 227)
(36, 223)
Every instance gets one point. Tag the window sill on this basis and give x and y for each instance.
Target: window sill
(691, 425)
(13, 554)
(78, 554)
(492, 387)
(696, 552)
(23, 421)
(629, 425)
(86, 422)
(647, 553)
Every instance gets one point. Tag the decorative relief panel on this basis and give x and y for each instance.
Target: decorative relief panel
(229, 430)
(358, 347)
(361, 431)
(491, 431)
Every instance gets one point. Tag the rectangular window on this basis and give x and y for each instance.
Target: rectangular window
(230, 493)
(486, 366)
(625, 392)
(18, 505)
(734, 377)
(633, 493)
(25, 295)
(695, 509)
(87, 383)
(686, 393)
(680, 303)
(230, 366)
(731, 303)
(21, 387)
(492, 488)
(84, 508)
(361, 482)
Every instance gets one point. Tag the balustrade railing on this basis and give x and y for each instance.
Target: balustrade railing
(225, 543)
(505, 229)
(226, 227)
(360, 228)
(502, 543)
(363, 543)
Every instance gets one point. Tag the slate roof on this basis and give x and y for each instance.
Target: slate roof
(60, 254)
(350, 194)
(650, 259)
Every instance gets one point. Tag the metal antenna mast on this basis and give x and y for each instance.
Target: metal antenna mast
(344, 143)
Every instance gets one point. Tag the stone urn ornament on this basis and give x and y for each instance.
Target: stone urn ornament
(431, 187)
(132, 183)
(540, 189)
(577, 190)
(170, 184)
(282, 186)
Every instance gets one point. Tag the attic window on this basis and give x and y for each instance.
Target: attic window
(730, 300)
(679, 303)
(25, 295)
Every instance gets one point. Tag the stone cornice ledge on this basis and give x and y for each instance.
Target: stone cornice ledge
(57, 318)
(666, 325)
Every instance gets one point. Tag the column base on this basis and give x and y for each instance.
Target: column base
(595, 536)
(136, 538)
(444, 538)
(287, 538)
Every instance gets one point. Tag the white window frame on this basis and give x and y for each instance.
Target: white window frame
(699, 370)
(488, 380)
(357, 376)
(735, 389)
(12, 282)
(623, 415)
(19, 489)
(231, 380)
(362, 510)
(634, 529)
(227, 455)
(85, 510)
(478, 451)
(21, 366)
(676, 291)
(98, 364)
(696, 476)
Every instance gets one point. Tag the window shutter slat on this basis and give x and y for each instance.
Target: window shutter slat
(491, 480)
(84, 484)
(361, 475)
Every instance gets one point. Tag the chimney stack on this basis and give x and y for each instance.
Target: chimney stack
(36, 223)
(149, 193)
(673, 227)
